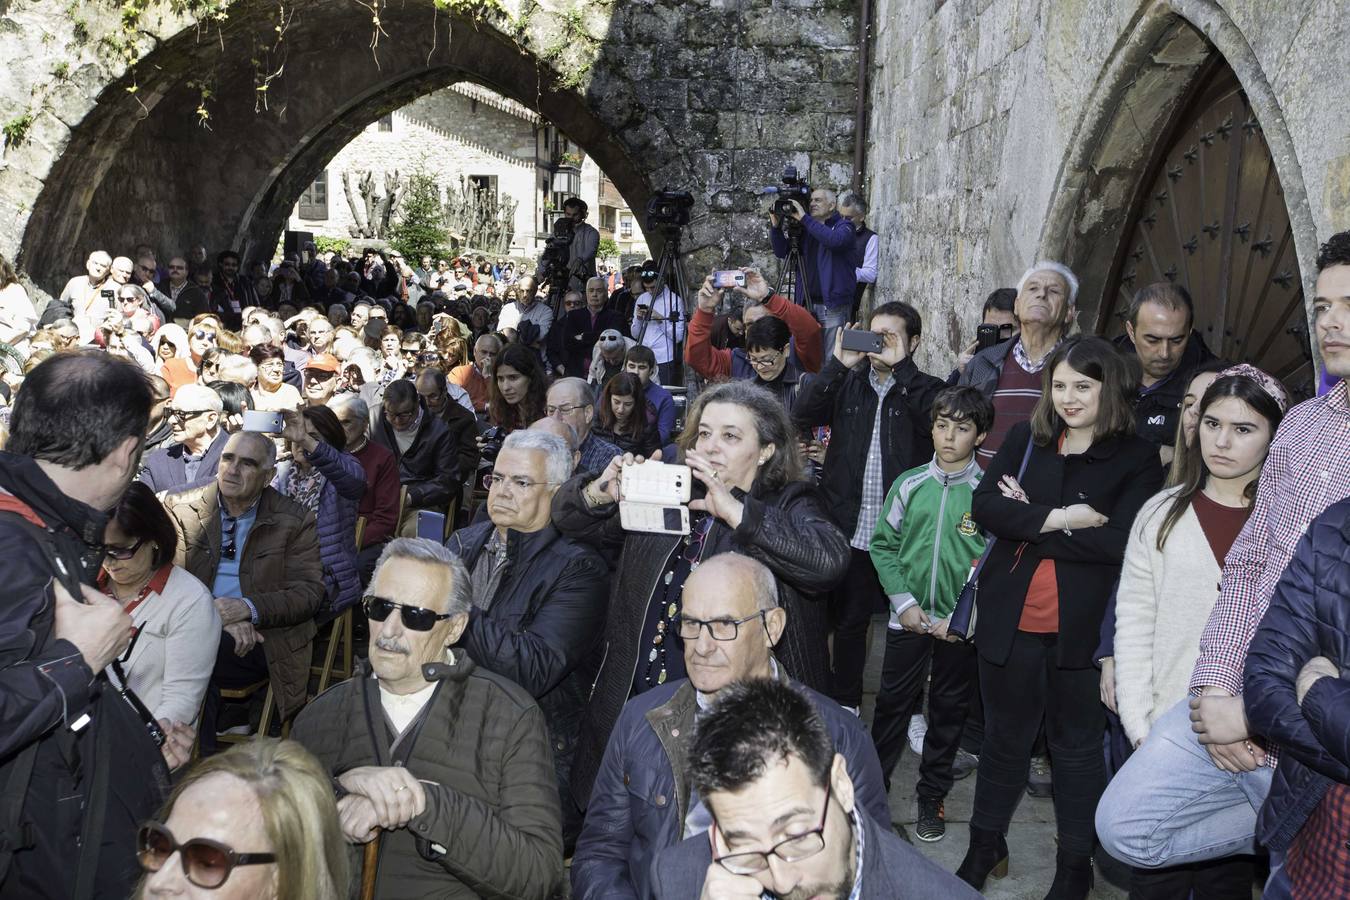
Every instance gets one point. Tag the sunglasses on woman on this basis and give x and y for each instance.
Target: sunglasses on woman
(124, 553)
(415, 618)
(206, 863)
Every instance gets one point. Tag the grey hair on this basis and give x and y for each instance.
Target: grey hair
(851, 199)
(340, 402)
(1063, 271)
(460, 598)
(582, 389)
(558, 456)
(239, 369)
(269, 446)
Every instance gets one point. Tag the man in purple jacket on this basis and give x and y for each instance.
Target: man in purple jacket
(827, 250)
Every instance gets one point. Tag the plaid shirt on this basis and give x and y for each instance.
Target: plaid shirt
(596, 453)
(1308, 469)
(873, 491)
(1318, 862)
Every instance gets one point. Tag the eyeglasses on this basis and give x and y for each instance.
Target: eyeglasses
(406, 416)
(415, 618)
(791, 849)
(720, 629)
(124, 552)
(203, 334)
(517, 482)
(765, 362)
(563, 410)
(206, 863)
(183, 415)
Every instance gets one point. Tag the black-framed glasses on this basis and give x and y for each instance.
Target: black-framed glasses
(517, 482)
(398, 418)
(564, 409)
(227, 548)
(124, 552)
(415, 618)
(185, 415)
(206, 863)
(790, 849)
(720, 629)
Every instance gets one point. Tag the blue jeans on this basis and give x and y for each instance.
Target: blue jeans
(1170, 805)
(831, 319)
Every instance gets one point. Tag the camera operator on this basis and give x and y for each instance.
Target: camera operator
(658, 321)
(827, 249)
(585, 244)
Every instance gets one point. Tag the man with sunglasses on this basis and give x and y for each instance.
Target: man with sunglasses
(320, 378)
(446, 761)
(730, 621)
(784, 814)
(539, 597)
(195, 414)
(258, 551)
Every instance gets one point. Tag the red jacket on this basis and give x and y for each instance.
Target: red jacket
(711, 363)
(379, 504)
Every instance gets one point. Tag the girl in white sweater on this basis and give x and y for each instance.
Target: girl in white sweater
(1173, 562)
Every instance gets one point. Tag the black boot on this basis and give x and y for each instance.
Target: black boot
(987, 855)
(1073, 876)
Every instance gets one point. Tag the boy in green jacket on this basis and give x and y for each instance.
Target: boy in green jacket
(923, 548)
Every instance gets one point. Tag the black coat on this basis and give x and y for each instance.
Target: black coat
(1114, 476)
(1157, 409)
(578, 337)
(788, 530)
(843, 398)
(430, 468)
(1309, 616)
(543, 627)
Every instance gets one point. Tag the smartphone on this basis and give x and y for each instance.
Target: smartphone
(986, 336)
(655, 482)
(861, 341)
(728, 278)
(263, 422)
(107, 293)
(653, 519)
(431, 525)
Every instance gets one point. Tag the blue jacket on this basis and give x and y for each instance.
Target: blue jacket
(828, 248)
(663, 408)
(344, 485)
(164, 469)
(1309, 616)
(641, 795)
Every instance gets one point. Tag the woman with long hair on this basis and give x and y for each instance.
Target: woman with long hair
(517, 388)
(1189, 420)
(1060, 531)
(621, 416)
(1169, 584)
(749, 497)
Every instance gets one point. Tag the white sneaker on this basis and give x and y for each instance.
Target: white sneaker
(918, 727)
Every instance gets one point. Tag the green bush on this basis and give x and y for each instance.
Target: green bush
(420, 230)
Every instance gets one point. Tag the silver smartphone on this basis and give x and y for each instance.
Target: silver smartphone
(263, 421)
(654, 497)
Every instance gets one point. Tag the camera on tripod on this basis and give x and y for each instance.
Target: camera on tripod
(557, 250)
(793, 188)
(669, 209)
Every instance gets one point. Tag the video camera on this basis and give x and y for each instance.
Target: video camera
(669, 209)
(557, 250)
(793, 188)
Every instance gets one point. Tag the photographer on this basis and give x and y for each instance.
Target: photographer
(827, 250)
(582, 250)
(658, 322)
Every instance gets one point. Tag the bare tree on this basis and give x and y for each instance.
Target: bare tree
(375, 211)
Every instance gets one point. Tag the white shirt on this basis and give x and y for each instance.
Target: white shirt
(18, 316)
(659, 335)
(403, 708)
(867, 272)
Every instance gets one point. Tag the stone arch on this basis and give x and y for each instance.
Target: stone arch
(137, 166)
(1147, 79)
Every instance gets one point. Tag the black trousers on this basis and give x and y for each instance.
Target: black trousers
(1217, 879)
(901, 696)
(1016, 695)
(231, 671)
(852, 605)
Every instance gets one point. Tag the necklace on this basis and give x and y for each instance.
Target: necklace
(680, 566)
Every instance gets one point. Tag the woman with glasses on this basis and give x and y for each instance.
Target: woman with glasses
(517, 388)
(324, 478)
(749, 497)
(621, 416)
(184, 369)
(169, 661)
(257, 822)
(272, 393)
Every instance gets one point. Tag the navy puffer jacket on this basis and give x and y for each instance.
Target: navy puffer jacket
(1309, 616)
(344, 485)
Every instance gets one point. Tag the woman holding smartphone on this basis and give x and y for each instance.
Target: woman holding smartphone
(1060, 532)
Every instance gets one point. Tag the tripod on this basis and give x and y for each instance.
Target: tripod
(670, 273)
(792, 279)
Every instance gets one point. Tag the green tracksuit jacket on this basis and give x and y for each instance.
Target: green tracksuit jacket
(925, 541)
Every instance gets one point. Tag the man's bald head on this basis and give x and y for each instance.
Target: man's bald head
(558, 427)
(730, 621)
(743, 581)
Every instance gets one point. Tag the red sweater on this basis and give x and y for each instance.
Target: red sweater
(710, 362)
(379, 504)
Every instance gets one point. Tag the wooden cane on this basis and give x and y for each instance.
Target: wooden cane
(370, 864)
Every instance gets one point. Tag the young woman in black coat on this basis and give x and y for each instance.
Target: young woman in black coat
(1060, 531)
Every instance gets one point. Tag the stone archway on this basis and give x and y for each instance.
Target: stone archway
(1171, 47)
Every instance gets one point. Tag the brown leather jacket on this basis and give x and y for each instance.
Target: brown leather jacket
(280, 572)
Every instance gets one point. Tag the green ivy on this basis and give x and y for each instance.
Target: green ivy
(16, 129)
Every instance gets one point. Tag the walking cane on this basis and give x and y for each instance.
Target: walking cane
(370, 863)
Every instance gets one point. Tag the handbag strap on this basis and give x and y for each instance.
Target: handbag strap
(989, 545)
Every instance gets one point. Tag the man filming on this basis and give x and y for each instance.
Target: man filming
(827, 252)
(585, 244)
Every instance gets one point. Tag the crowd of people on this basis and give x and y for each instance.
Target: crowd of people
(1108, 571)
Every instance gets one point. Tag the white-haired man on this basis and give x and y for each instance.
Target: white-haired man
(199, 436)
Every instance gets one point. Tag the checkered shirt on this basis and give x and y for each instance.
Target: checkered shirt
(873, 491)
(1308, 469)
(596, 453)
(1318, 862)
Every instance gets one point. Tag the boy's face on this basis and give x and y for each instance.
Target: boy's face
(641, 369)
(955, 440)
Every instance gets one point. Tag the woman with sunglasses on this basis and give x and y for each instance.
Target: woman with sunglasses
(749, 497)
(272, 393)
(328, 481)
(169, 661)
(184, 369)
(257, 822)
(621, 416)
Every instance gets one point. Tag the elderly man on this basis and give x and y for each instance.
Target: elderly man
(83, 296)
(258, 551)
(827, 255)
(428, 462)
(573, 401)
(445, 761)
(1009, 373)
(539, 598)
(199, 437)
(473, 377)
(785, 816)
(581, 328)
(730, 621)
(320, 378)
(436, 393)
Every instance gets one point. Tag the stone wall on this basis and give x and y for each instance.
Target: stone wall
(1006, 130)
